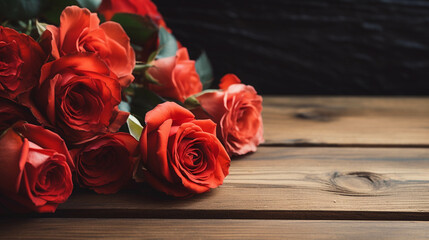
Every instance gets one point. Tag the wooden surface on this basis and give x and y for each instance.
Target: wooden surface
(288, 183)
(347, 121)
(66, 228)
(363, 159)
(310, 46)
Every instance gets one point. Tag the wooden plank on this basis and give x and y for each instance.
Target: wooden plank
(208, 229)
(312, 46)
(350, 121)
(289, 183)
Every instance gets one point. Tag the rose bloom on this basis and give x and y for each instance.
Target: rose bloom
(11, 112)
(106, 164)
(80, 31)
(236, 108)
(78, 97)
(34, 169)
(20, 62)
(140, 7)
(181, 156)
(176, 75)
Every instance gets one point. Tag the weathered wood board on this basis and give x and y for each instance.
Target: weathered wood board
(90, 228)
(289, 183)
(347, 121)
(312, 46)
(328, 163)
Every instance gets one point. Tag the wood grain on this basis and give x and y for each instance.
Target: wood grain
(312, 46)
(346, 121)
(64, 228)
(325, 160)
(289, 183)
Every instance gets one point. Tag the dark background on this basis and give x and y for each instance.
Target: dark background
(357, 47)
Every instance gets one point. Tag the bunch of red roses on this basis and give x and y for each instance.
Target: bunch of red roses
(66, 98)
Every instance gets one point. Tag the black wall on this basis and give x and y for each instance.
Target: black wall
(310, 46)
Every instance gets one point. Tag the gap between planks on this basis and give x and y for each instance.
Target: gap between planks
(344, 145)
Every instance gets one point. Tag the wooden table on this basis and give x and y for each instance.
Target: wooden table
(331, 168)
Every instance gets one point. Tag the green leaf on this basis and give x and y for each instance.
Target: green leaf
(141, 67)
(204, 70)
(92, 5)
(124, 106)
(192, 103)
(143, 101)
(150, 79)
(205, 91)
(21, 9)
(152, 56)
(135, 127)
(167, 44)
(139, 28)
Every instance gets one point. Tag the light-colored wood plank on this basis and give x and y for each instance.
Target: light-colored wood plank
(208, 229)
(290, 183)
(400, 121)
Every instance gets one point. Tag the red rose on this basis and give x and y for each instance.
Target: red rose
(141, 7)
(176, 75)
(78, 96)
(106, 164)
(20, 62)
(34, 170)
(80, 31)
(181, 156)
(237, 111)
(11, 112)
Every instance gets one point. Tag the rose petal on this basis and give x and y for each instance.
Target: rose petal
(228, 80)
(45, 139)
(14, 152)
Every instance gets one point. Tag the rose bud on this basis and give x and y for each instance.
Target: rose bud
(140, 7)
(80, 31)
(78, 97)
(11, 112)
(181, 156)
(35, 170)
(236, 108)
(106, 164)
(176, 75)
(20, 62)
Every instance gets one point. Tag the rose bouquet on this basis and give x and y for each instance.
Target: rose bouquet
(103, 98)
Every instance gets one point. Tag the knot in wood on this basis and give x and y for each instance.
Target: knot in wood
(319, 114)
(358, 184)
